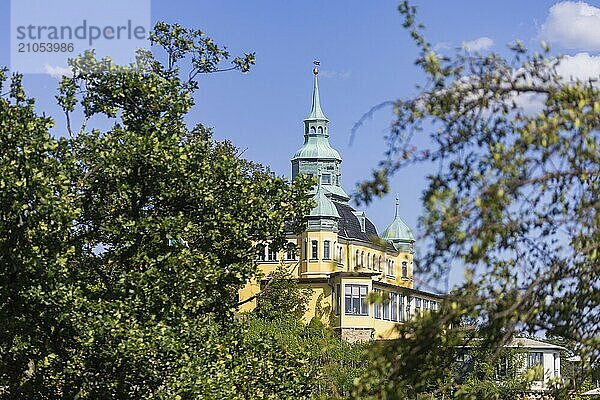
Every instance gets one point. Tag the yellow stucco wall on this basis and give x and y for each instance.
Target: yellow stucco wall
(322, 276)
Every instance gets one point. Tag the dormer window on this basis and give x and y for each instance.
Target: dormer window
(360, 216)
(326, 179)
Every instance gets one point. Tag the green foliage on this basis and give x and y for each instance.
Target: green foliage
(122, 249)
(282, 298)
(332, 364)
(515, 198)
(422, 360)
(36, 212)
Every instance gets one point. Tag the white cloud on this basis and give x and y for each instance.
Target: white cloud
(580, 66)
(344, 74)
(530, 103)
(573, 25)
(57, 71)
(482, 43)
(442, 46)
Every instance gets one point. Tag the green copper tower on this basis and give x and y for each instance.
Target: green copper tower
(316, 157)
(398, 233)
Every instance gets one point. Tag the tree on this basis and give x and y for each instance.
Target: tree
(123, 248)
(35, 218)
(283, 297)
(515, 198)
(332, 362)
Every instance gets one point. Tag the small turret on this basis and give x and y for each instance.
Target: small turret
(325, 214)
(398, 233)
(317, 153)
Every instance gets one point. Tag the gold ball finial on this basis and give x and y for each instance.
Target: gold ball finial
(315, 71)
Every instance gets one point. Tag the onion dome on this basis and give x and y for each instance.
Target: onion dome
(398, 231)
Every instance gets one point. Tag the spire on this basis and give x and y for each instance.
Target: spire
(316, 152)
(398, 231)
(316, 113)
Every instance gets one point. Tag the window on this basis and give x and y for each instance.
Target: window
(369, 261)
(357, 260)
(401, 308)
(404, 269)
(377, 307)
(326, 250)
(326, 179)
(271, 254)
(320, 129)
(425, 304)
(305, 252)
(394, 306)
(536, 360)
(390, 268)
(362, 259)
(379, 265)
(260, 252)
(417, 306)
(386, 306)
(408, 301)
(290, 254)
(314, 252)
(502, 367)
(312, 129)
(338, 299)
(356, 300)
(374, 261)
(341, 255)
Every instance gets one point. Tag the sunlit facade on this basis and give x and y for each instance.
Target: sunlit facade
(340, 255)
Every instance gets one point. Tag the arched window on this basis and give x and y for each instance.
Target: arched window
(362, 259)
(369, 261)
(379, 264)
(312, 129)
(320, 129)
(390, 268)
(357, 261)
(404, 269)
(374, 261)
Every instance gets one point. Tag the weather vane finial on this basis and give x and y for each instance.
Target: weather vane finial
(315, 69)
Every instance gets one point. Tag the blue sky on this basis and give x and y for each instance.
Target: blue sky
(366, 58)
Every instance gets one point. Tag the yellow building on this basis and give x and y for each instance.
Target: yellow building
(340, 255)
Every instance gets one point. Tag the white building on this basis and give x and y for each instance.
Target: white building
(540, 354)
